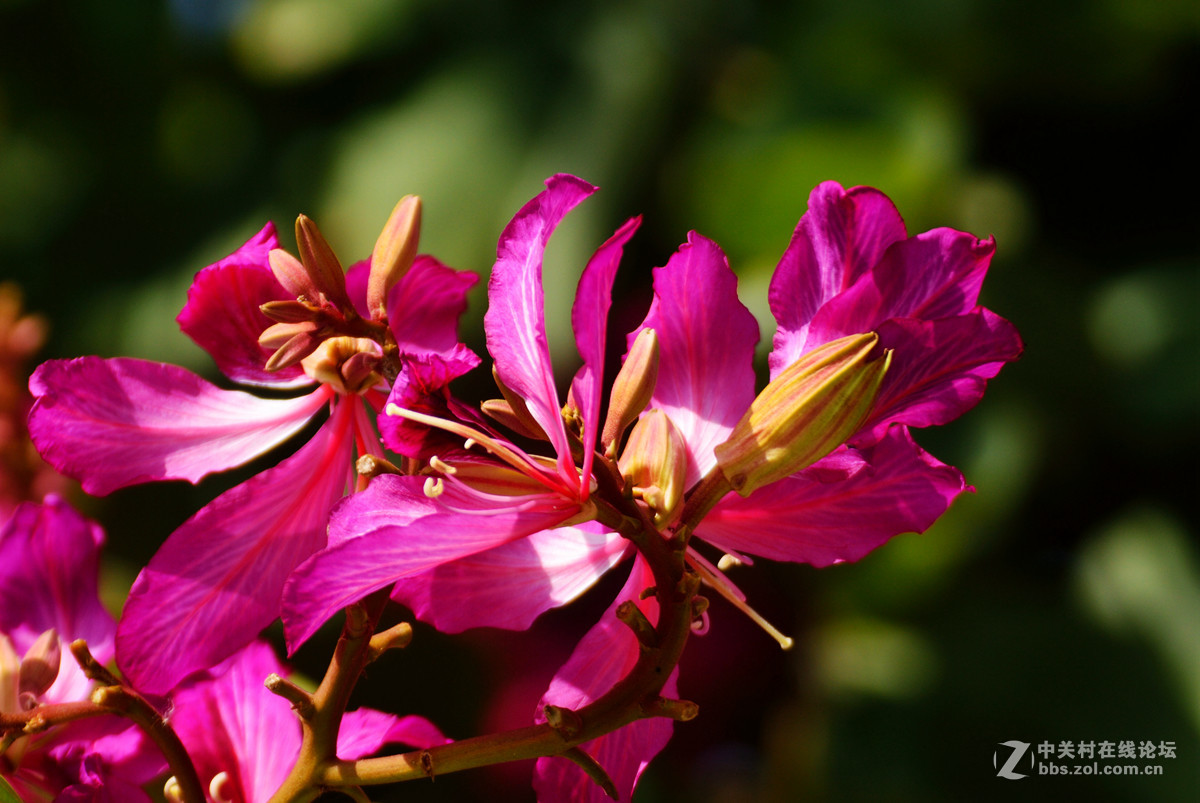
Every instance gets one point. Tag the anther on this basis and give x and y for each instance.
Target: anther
(434, 487)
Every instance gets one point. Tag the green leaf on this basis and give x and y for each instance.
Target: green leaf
(7, 794)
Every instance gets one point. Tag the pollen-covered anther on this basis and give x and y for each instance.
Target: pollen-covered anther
(804, 413)
(727, 562)
(632, 389)
(434, 487)
(654, 462)
(441, 466)
(220, 788)
(347, 364)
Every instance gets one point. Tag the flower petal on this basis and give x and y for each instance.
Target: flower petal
(422, 386)
(399, 532)
(939, 369)
(112, 423)
(512, 585)
(706, 348)
(217, 580)
(843, 235)
(366, 730)
(222, 314)
(802, 519)
(425, 306)
(605, 655)
(515, 323)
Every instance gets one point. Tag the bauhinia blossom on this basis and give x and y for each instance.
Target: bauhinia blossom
(49, 561)
(269, 320)
(878, 332)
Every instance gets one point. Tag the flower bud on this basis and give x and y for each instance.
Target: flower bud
(347, 364)
(39, 668)
(806, 412)
(10, 673)
(655, 462)
(394, 253)
(324, 271)
(517, 408)
(633, 386)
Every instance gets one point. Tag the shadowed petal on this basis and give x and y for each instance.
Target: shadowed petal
(706, 348)
(841, 236)
(112, 423)
(217, 580)
(222, 314)
(515, 322)
(365, 731)
(425, 306)
(903, 489)
(512, 585)
(605, 655)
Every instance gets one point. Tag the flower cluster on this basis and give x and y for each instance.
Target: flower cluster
(491, 515)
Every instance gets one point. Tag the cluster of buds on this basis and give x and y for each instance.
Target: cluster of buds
(23, 681)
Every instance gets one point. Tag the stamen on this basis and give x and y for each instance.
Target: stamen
(727, 562)
(219, 788)
(468, 443)
(434, 487)
(440, 465)
(730, 592)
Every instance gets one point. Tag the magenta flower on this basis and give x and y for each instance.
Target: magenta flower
(49, 562)
(473, 546)
(243, 739)
(216, 581)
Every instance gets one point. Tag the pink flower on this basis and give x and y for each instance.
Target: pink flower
(243, 739)
(49, 562)
(473, 546)
(216, 581)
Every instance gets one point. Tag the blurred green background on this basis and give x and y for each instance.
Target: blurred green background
(142, 140)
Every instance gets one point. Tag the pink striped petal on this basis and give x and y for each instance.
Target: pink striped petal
(939, 369)
(217, 580)
(805, 520)
(222, 313)
(589, 320)
(515, 323)
(605, 655)
(392, 531)
(425, 306)
(842, 236)
(365, 731)
(112, 423)
(513, 584)
(423, 386)
(706, 348)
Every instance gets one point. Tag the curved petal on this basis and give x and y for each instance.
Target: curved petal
(218, 579)
(408, 535)
(936, 274)
(605, 655)
(706, 348)
(422, 386)
(802, 519)
(112, 423)
(515, 323)
(513, 584)
(842, 236)
(222, 314)
(425, 306)
(939, 369)
(366, 731)
(49, 565)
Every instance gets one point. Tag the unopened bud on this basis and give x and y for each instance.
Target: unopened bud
(324, 271)
(805, 413)
(289, 311)
(39, 668)
(654, 460)
(347, 364)
(292, 343)
(502, 412)
(632, 388)
(518, 408)
(394, 253)
(10, 672)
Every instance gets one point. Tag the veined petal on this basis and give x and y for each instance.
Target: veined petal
(841, 237)
(422, 386)
(589, 320)
(425, 306)
(217, 580)
(413, 535)
(807, 520)
(112, 423)
(49, 565)
(706, 349)
(515, 323)
(222, 314)
(366, 730)
(939, 369)
(512, 585)
(605, 655)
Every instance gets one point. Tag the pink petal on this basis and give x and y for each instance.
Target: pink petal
(217, 580)
(805, 520)
(422, 386)
(939, 369)
(112, 423)
(49, 565)
(706, 348)
(398, 532)
(365, 731)
(515, 323)
(605, 655)
(512, 585)
(843, 235)
(222, 314)
(425, 306)
(589, 320)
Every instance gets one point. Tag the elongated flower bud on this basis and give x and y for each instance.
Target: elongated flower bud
(633, 386)
(517, 407)
(39, 668)
(324, 271)
(655, 462)
(805, 413)
(394, 253)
